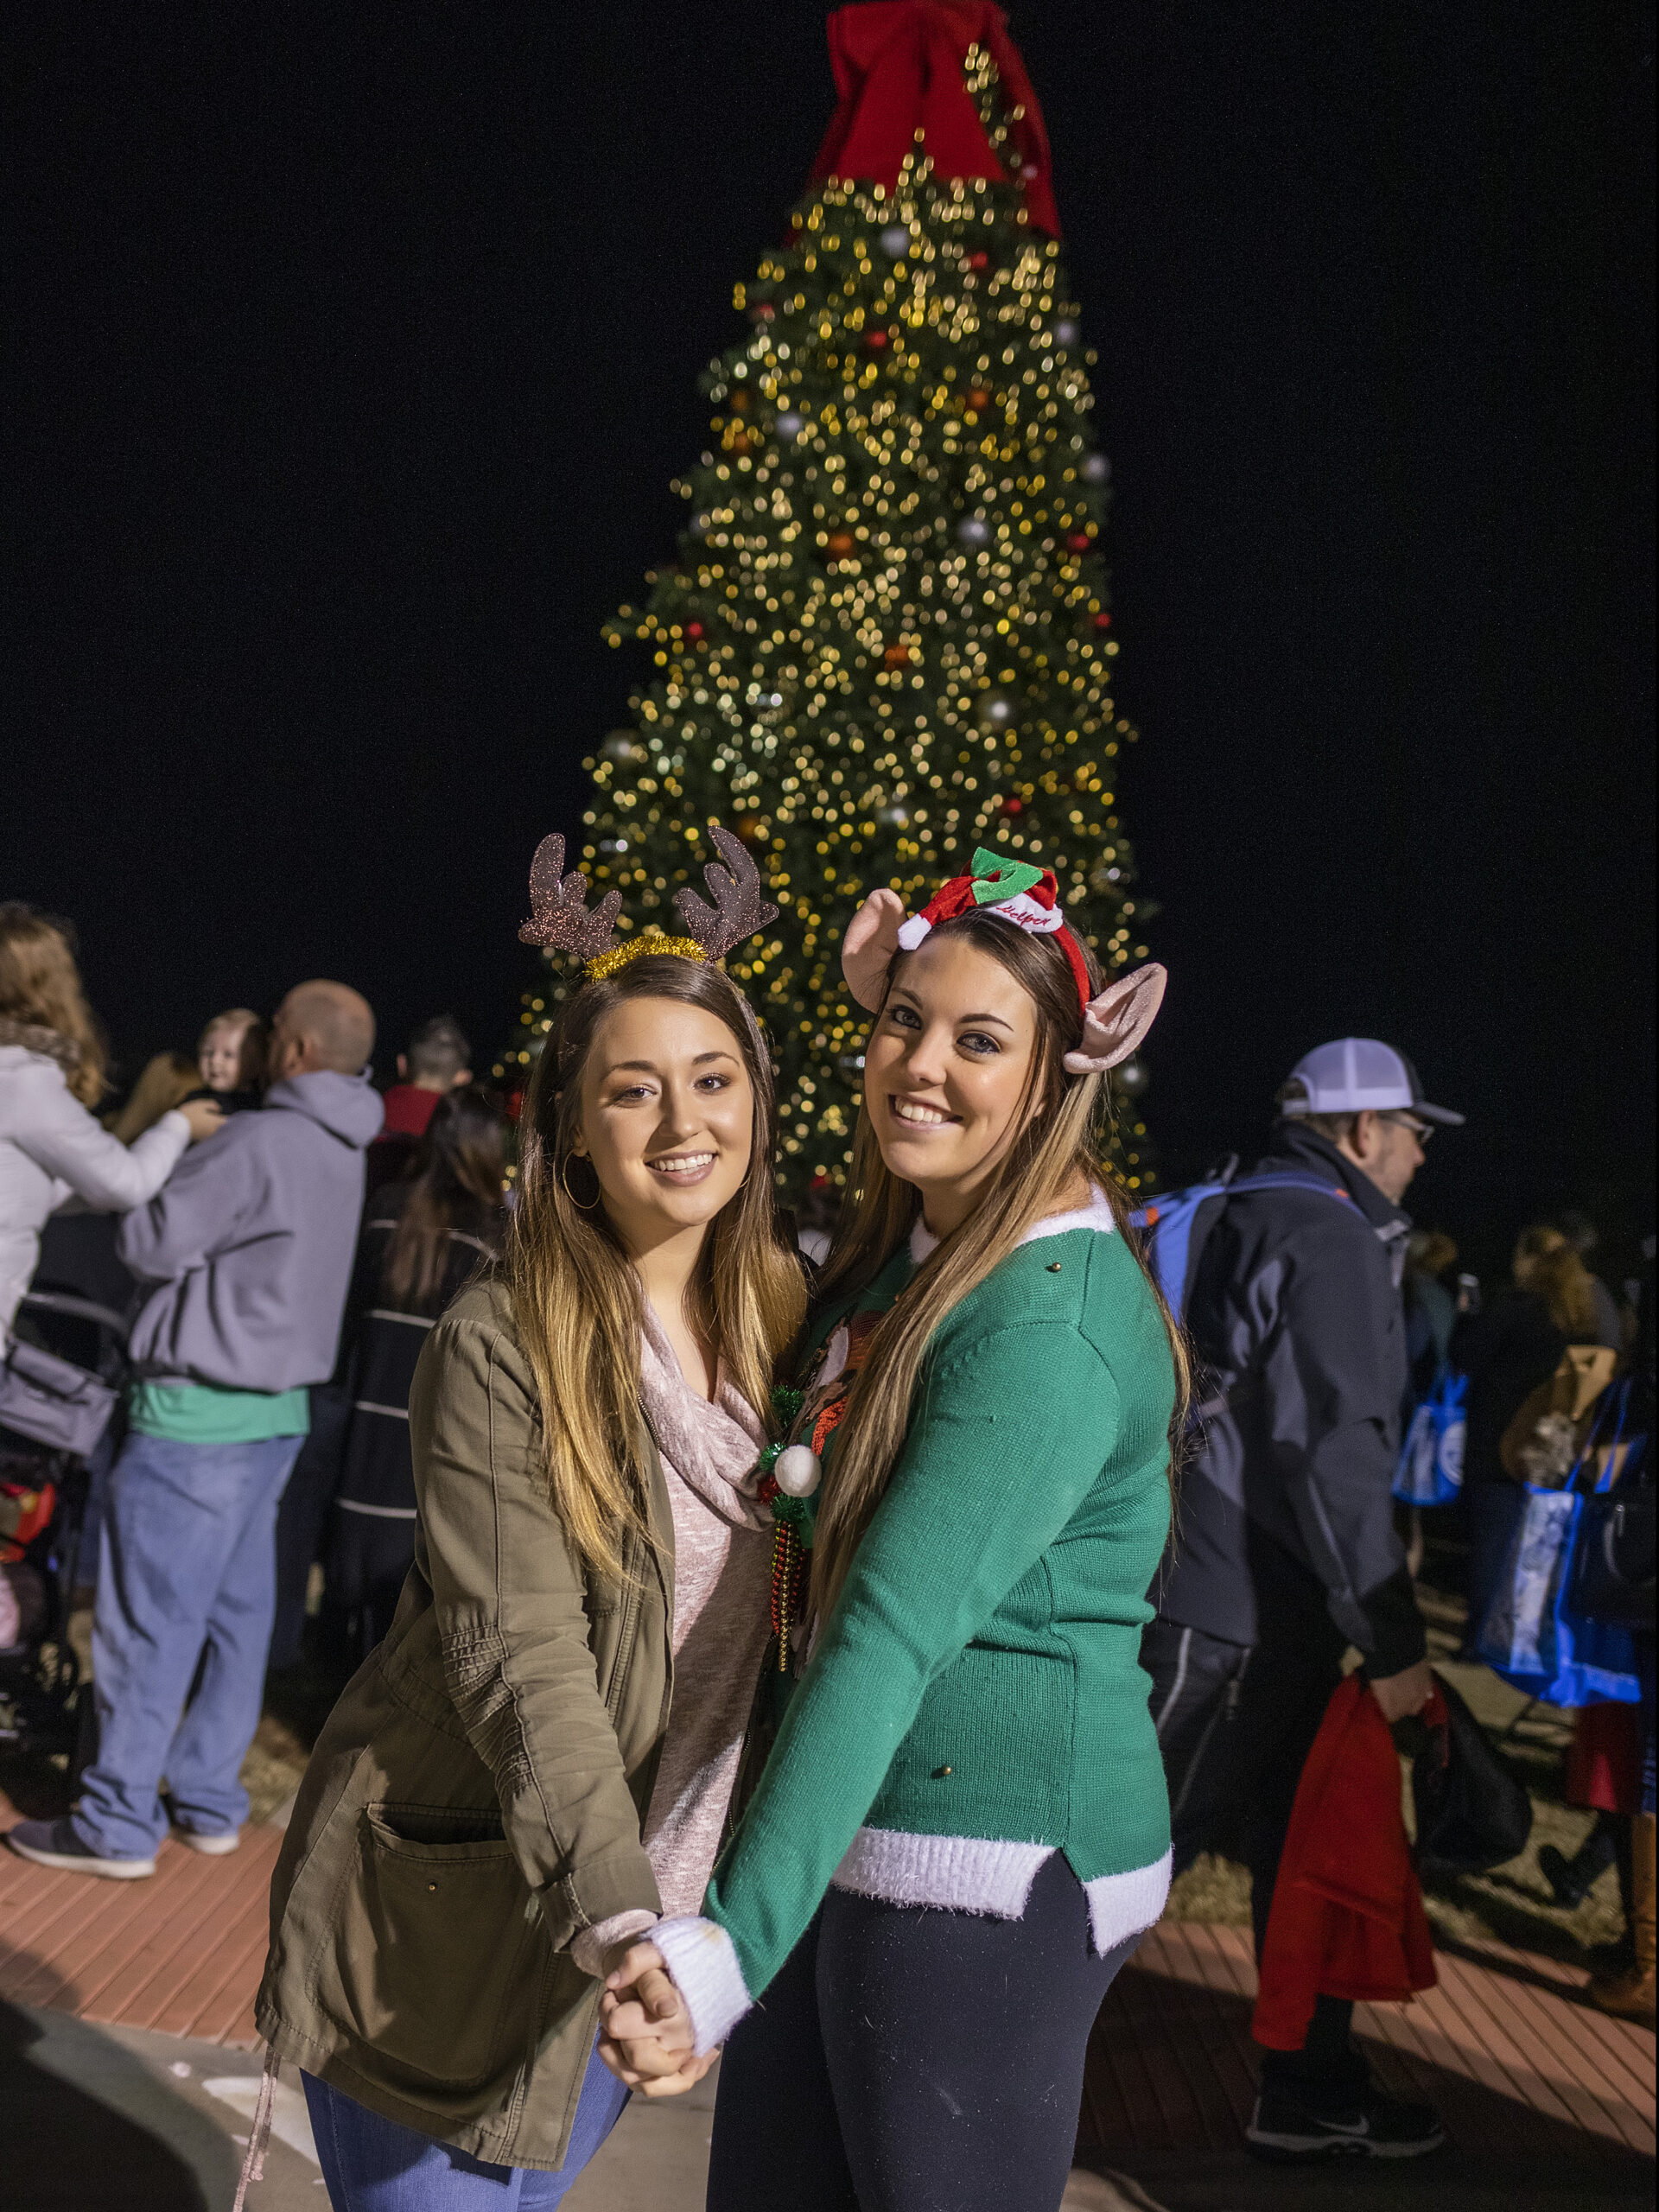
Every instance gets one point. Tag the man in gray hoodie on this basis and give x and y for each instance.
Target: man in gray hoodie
(250, 1246)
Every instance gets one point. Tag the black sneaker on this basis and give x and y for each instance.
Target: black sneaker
(1286, 2132)
(54, 1843)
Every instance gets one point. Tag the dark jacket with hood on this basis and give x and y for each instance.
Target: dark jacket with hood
(251, 1241)
(1286, 1513)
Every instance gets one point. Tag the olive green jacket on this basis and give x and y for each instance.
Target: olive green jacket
(476, 1797)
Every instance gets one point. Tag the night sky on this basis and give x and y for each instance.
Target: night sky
(352, 352)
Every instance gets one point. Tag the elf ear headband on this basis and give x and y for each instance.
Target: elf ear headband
(1113, 1022)
(560, 915)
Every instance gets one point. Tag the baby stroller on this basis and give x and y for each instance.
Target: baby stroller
(60, 1387)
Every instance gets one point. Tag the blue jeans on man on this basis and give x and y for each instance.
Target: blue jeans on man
(186, 1580)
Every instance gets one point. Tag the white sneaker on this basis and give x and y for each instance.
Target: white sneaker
(218, 1845)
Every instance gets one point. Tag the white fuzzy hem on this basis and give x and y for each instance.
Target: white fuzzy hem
(1096, 1215)
(962, 1873)
(703, 1964)
(967, 1873)
(1122, 1905)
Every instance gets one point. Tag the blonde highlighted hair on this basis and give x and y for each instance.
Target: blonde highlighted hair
(1058, 1151)
(575, 1298)
(40, 988)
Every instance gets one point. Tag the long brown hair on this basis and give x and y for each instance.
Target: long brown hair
(456, 1179)
(1058, 1149)
(1556, 1274)
(40, 988)
(575, 1298)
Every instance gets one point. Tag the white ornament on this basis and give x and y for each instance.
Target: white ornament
(973, 530)
(790, 424)
(896, 241)
(1065, 333)
(798, 1471)
(1096, 468)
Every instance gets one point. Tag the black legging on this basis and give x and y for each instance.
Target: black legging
(907, 2058)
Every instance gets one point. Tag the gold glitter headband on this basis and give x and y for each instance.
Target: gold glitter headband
(684, 948)
(560, 915)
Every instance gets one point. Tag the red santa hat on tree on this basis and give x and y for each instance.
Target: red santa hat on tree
(1114, 1020)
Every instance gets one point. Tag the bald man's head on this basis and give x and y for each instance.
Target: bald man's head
(321, 1025)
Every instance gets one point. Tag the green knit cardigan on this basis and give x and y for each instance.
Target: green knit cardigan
(979, 1674)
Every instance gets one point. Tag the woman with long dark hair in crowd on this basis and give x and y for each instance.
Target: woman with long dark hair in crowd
(52, 1074)
(962, 1828)
(537, 1758)
(422, 1241)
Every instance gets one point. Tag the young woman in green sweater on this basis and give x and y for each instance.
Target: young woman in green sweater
(962, 1828)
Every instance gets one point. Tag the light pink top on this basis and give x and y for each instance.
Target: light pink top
(723, 1568)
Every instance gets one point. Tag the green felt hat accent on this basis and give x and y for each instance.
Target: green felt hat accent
(996, 877)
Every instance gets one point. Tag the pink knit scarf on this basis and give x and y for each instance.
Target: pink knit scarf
(713, 1448)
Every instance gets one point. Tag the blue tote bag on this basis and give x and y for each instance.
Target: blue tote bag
(1430, 1471)
(1531, 1634)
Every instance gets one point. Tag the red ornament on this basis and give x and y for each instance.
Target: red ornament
(1078, 542)
(1010, 807)
(875, 341)
(899, 656)
(980, 400)
(763, 311)
(1103, 621)
(694, 631)
(739, 403)
(980, 260)
(752, 828)
(741, 441)
(840, 544)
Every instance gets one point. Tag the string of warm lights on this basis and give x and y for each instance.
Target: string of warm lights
(885, 641)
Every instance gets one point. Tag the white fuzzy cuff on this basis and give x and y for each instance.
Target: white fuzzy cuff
(589, 1948)
(1122, 1905)
(959, 1873)
(703, 1964)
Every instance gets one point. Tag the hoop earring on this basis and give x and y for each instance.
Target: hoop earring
(564, 1177)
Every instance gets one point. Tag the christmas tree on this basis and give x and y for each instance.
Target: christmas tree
(885, 642)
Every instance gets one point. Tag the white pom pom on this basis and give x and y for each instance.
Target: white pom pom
(798, 1471)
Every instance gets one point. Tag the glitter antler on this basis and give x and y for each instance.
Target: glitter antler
(558, 906)
(741, 911)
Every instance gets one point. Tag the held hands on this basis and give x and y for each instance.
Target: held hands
(1406, 1693)
(645, 2035)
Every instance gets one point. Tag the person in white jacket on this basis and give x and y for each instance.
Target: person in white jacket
(52, 1148)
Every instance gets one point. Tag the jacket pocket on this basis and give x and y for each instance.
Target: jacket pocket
(432, 1963)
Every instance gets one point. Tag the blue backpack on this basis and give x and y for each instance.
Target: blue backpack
(1177, 1228)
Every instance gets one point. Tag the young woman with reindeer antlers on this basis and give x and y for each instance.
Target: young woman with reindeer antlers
(536, 1762)
(962, 1828)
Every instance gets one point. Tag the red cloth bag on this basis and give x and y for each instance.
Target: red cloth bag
(1347, 1918)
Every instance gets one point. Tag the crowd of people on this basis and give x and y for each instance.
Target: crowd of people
(832, 1660)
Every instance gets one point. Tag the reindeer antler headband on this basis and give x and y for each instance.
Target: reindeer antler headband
(560, 915)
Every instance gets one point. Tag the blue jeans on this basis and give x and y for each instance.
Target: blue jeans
(186, 1578)
(373, 2164)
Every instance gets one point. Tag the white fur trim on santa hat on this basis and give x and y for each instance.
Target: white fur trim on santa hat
(1023, 909)
(912, 932)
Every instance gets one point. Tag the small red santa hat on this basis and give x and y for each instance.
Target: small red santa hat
(1114, 1020)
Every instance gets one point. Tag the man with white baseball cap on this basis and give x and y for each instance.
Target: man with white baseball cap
(1288, 1553)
